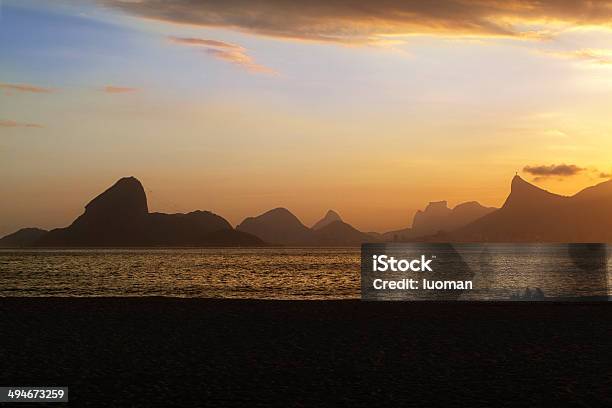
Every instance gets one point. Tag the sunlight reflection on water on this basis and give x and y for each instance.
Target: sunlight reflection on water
(263, 273)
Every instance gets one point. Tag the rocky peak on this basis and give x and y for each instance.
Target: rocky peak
(125, 198)
(330, 217)
(524, 194)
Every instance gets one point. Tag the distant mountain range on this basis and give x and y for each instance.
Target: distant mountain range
(280, 227)
(120, 217)
(438, 218)
(531, 214)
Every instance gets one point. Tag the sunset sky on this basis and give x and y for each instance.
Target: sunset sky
(372, 109)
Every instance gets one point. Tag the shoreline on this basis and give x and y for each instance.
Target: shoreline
(550, 300)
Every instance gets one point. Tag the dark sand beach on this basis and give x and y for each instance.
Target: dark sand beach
(198, 352)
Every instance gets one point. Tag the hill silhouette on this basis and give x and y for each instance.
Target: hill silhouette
(120, 217)
(531, 214)
(278, 226)
(330, 217)
(22, 238)
(339, 233)
(437, 217)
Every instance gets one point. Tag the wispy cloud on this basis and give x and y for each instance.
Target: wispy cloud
(561, 170)
(365, 21)
(232, 53)
(204, 42)
(554, 133)
(13, 124)
(118, 89)
(594, 56)
(25, 88)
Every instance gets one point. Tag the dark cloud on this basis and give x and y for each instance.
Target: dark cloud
(363, 21)
(232, 53)
(13, 124)
(562, 170)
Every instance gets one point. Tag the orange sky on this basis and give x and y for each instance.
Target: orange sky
(310, 107)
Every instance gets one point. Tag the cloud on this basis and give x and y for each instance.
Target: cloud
(605, 175)
(24, 88)
(562, 170)
(13, 124)
(555, 134)
(232, 53)
(205, 43)
(118, 89)
(366, 21)
(598, 57)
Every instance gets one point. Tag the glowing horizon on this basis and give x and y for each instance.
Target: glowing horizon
(310, 109)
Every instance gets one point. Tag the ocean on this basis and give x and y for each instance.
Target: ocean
(257, 273)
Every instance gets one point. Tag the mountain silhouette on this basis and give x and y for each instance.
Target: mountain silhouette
(596, 192)
(278, 226)
(438, 217)
(330, 217)
(125, 199)
(22, 238)
(434, 213)
(117, 217)
(339, 233)
(531, 214)
(120, 217)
